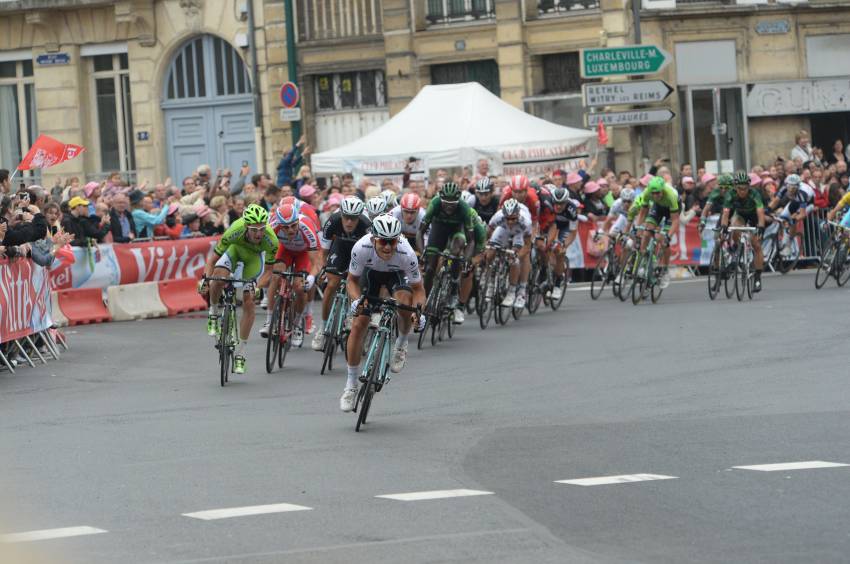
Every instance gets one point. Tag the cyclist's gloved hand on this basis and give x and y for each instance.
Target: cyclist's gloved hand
(760, 231)
(355, 305)
(202, 287)
(308, 283)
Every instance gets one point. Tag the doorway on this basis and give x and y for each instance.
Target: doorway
(827, 128)
(727, 102)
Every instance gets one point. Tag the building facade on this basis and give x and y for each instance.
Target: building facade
(155, 87)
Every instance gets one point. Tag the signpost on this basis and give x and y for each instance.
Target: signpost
(290, 114)
(629, 60)
(289, 95)
(632, 117)
(613, 93)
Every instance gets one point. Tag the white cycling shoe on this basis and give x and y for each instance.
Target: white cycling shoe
(264, 330)
(458, 316)
(509, 299)
(318, 343)
(399, 358)
(557, 292)
(665, 280)
(519, 303)
(349, 397)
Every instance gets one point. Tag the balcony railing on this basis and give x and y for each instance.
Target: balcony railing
(337, 19)
(545, 7)
(672, 4)
(452, 11)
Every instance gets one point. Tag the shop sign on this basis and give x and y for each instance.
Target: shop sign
(777, 27)
(799, 97)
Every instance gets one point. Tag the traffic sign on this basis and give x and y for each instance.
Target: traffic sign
(598, 94)
(290, 114)
(623, 61)
(633, 117)
(289, 95)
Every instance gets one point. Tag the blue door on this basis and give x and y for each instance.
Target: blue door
(208, 107)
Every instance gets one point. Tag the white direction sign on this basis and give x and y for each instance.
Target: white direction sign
(290, 114)
(633, 117)
(635, 92)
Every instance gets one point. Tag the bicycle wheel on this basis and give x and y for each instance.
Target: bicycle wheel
(374, 357)
(614, 272)
(715, 272)
(450, 325)
(502, 313)
(287, 323)
(484, 304)
(535, 290)
(328, 356)
(842, 268)
(599, 278)
(749, 270)
(273, 340)
(788, 260)
(730, 269)
(825, 268)
(423, 333)
(639, 280)
(740, 273)
(224, 346)
(625, 276)
(367, 390)
(655, 289)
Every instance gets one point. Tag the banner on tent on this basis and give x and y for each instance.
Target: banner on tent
(24, 299)
(543, 159)
(114, 264)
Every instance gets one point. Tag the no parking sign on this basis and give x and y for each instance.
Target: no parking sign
(289, 95)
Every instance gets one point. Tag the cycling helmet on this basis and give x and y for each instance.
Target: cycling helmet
(450, 192)
(519, 182)
(510, 207)
(725, 181)
(627, 195)
(468, 197)
(559, 195)
(655, 185)
(390, 198)
(352, 206)
(287, 214)
(483, 186)
(255, 214)
(793, 180)
(410, 201)
(741, 178)
(386, 226)
(376, 206)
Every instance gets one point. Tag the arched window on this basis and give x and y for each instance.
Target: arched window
(206, 67)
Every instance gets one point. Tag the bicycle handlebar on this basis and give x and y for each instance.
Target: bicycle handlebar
(289, 274)
(392, 302)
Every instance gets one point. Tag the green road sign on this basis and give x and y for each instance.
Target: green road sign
(623, 61)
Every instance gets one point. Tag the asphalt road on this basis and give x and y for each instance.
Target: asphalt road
(130, 431)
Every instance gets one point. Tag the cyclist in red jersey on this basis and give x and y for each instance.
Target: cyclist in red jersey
(304, 209)
(520, 189)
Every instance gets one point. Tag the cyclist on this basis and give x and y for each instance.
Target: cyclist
(562, 233)
(839, 207)
(518, 189)
(299, 249)
(450, 220)
(390, 198)
(480, 235)
(618, 215)
(343, 228)
(511, 227)
(375, 207)
(382, 259)
(714, 202)
(661, 202)
(410, 213)
(248, 244)
(745, 205)
(303, 208)
(485, 204)
(796, 199)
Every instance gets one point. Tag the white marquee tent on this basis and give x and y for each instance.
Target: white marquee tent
(454, 125)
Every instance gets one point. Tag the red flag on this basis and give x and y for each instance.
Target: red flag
(47, 151)
(601, 135)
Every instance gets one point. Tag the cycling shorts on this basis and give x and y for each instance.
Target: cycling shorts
(442, 234)
(480, 231)
(745, 219)
(657, 214)
(373, 280)
(243, 264)
(299, 260)
(339, 257)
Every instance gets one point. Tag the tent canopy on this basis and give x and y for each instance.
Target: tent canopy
(453, 125)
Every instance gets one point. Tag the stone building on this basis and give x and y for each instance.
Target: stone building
(155, 87)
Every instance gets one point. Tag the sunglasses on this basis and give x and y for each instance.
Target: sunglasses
(387, 242)
(409, 211)
(256, 229)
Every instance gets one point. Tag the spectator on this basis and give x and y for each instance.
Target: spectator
(85, 230)
(220, 206)
(594, 207)
(802, 150)
(5, 183)
(171, 227)
(145, 220)
(209, 226)
(121, 222)
(236, 209)
(837, 153)
(191, 226)
(835, 194)
(271, 196)
(291, 161)
(53, 215)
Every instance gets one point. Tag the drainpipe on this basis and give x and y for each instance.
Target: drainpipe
(259, 141)
(292, 63)
(644, 145)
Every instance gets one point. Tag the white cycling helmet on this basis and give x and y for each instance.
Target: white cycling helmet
(627, 195)
(352, 206)
(386, 226)
(390, 198)
(510, 207)
(376, 206)
(468, 197)
(793, 180)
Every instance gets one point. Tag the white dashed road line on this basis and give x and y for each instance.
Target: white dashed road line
(47, 534)
(622, 479)
(436, 494)
(782, 466)
(213, 514)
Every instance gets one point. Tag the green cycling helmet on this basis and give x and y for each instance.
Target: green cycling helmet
(657, 184)
(741, 178)
(725, 181)
(450, 192)
(255, 214)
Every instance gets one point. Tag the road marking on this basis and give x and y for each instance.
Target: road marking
(47, 534)
(623, 479)
(806, 465)
(436, 494)
(213, 514)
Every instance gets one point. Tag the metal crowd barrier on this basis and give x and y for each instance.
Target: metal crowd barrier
(28, 347)
(814, 237)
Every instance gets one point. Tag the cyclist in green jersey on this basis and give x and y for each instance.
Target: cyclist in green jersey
(714, 203)
(745, 206)
(244, 248)
(660, 202)
(452, 229)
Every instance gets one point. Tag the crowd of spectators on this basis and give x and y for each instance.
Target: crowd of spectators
(36, 221)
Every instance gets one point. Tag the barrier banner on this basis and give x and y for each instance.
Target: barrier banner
(689, 246)
(129, 263)
(24, 299)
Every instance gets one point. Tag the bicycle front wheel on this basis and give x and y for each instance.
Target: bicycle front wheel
(656, 289)
(625, 277)
(287, 326)
(788, 258)
(273, 340)
(740, 273)
(842, 268)
(825, 268)
(638, 286)
(535, 290)
(599, 278)
(715, 272)
(224, 353)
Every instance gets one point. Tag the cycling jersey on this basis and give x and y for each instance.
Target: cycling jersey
(532, 201)
(618, 209)
(234, 248)
(404, 261)
(445, 227)
(715, 200)
(669, 200)
(804, 195)
(304, 239)
(514, 233)
(745, 206)
(409, 229)
(844, 201)
(479, 232)
(567, 218)
(338, 243)
(637, 205)
(547, 209)
(485, 212)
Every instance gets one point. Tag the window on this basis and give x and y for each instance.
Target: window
(446, 11)
(350, 90)
(560, 100)
(113, 112)
(561, 73)
(207, 67)
(485, 73)
(18, 127)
